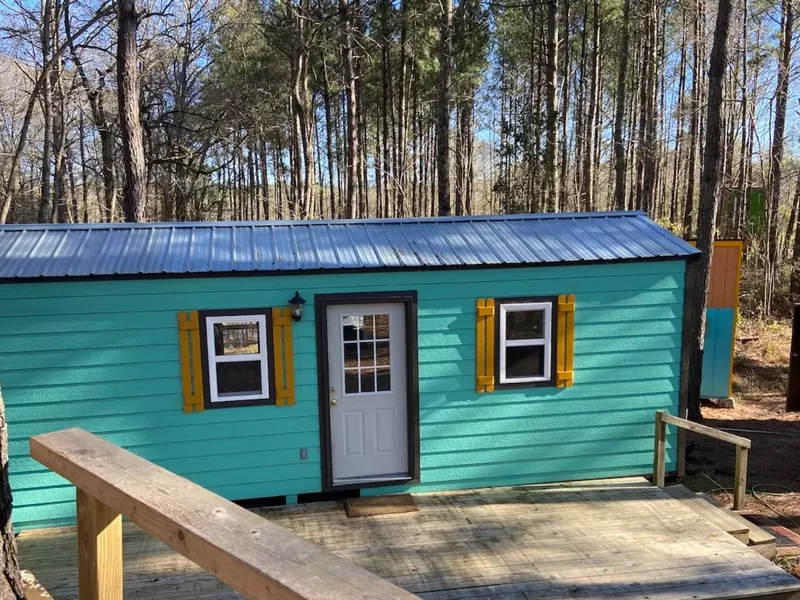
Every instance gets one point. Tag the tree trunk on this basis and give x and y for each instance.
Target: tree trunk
(462, 130)
(776, 153)
(402, 111)
(363, 174)
(279, 179)
(379, 206)
(304, 150)
(97, 106)
(107, 153)
(130, 124)
(565, 95)
(443, 109)
(649, 108)
(551, 82)
(707, 214)
(251, 185)
(84, 175)
(47, 109)
(61, 189)
(326, 102)
(688, 209)
(790, 227)
(619, 115)
(11, 580)
(632, 150)
(264, 178)
(590, 131)
(794, 281)
(353, 151)
(676, 162)
(744, 159)
(416, 194)
(579, 112)
(533, 203)
(389, 188)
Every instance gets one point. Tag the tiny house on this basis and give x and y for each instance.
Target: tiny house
(282, 361)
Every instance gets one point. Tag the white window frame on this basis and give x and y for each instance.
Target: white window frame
(546, 341)
(214, 360)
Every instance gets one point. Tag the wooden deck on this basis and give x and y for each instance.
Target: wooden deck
(594, 539)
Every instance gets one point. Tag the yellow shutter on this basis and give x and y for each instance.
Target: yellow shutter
(282, 357)
(485, 345)
(565, 345)
(191, 364)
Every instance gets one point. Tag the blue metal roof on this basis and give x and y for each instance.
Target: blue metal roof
(149, 249)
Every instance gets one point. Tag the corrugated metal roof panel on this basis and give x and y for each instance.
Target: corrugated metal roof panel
(462, 241)
(71, 246)
(254, 249)
(27, 260)
(325, 249)
(47, 245)
(304, 250)
(155, 251)
(423, 246)
(346, 254)
(141, 249)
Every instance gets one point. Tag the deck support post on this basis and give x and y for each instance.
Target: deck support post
(659, 452)
(740, 478)
(99, 549)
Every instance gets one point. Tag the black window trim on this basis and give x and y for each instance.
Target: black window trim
(552, 381)
(236, 312)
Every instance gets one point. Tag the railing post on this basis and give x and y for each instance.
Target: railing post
(99, 550)
(659, 451)
(740, 478)
(793, 389)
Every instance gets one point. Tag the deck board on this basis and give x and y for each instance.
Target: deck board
(593, 539)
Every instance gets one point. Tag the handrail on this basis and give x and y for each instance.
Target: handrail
(254, 556)
(742, 450)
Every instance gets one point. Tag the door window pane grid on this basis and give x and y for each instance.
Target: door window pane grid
(367, 380)
(366, 353)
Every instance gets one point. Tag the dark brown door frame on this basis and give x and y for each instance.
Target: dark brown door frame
(321, 304)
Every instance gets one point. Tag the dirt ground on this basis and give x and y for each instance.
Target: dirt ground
(760, 377)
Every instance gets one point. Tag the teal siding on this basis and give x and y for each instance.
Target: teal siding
(103, 355)
(717, 353)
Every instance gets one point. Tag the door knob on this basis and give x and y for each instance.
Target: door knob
(334, 402)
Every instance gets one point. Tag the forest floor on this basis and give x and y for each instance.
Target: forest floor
(761, 371)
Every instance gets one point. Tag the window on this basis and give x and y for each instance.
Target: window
(237, 355)
(525, 342)
(366, 351)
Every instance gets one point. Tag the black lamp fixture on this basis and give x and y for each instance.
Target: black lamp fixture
(296, 306)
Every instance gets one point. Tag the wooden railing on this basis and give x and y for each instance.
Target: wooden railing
(255, 557)
(742, 450)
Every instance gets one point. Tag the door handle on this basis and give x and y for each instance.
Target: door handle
(334, 402)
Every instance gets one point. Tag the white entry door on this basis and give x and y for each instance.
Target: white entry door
(367, 395)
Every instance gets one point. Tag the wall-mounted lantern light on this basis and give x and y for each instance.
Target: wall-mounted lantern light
(296, 306)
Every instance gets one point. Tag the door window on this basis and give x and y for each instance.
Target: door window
(366, 353)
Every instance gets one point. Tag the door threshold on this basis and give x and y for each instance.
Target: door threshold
(371, 481)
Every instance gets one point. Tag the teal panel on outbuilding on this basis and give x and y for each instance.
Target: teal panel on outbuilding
(717, 352)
